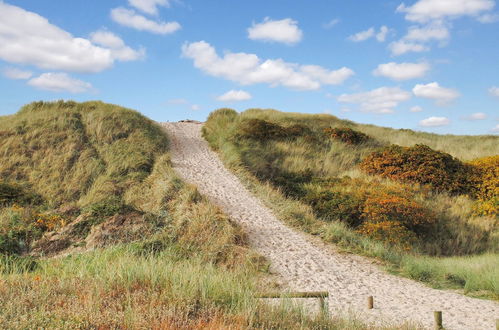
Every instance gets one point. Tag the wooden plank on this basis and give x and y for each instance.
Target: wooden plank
(319, 294)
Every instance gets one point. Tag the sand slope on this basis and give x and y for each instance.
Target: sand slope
(307, 266)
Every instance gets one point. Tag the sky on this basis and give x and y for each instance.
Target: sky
(426, 65)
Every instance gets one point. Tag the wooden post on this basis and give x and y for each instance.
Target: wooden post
(438, 320)
(370, 302)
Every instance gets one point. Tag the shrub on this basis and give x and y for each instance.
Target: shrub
(487, 185)
(347, 135)
(262, 130)
(423, 165)
(332, 205)
(390, 232)
(385, 207)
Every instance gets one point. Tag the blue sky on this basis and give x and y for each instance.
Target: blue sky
(429, 65)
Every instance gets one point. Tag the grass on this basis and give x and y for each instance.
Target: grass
(459, 252)
(158, 254)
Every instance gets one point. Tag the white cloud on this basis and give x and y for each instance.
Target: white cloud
(434, 122)
(427, 10)
(370, 33)
(381, 35)
(130, 18)
(234, 96)
(402, 71)
(28, 38)
(434, 91)
(436, 31)
(488, 18)
(331, 23)
(494, 91)
(15, 73)
(149, 6)
(59, 82)
(416, 108)
(381, 100)
(195, 107)
(495, 129)
(285, 31)
(117, 46)
(476, 116)
(248, 69)
(401, 47)
(363, 35)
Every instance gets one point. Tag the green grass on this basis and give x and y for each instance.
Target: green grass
(459, 252)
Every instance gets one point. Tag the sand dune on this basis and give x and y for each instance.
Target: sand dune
(306, 265)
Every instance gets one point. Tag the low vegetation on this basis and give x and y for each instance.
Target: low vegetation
(422, 202)
(92, 184)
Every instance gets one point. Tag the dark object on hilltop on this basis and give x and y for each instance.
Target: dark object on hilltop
(190, 121)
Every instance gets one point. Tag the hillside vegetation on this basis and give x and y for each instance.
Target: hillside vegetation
(425, 203)
(96, 178)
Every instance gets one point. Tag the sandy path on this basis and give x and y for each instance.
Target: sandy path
(309, 267)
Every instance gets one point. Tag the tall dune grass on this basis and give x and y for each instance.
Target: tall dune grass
(457, 231)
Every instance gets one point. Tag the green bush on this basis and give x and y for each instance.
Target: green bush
(423, 165)
(331, 205)
(347, 135)
(262, 130)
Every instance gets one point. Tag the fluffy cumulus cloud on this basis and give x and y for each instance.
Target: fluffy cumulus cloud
(119, 50)
(370, 33)
(149, 6)
(416, 108)
(59, 82)
(427, 10)
(402, 46)
(433, 17)
(476, 116)
(382, 100)
(435, 31)
(15, 73)
(402, 71)
(418, 37)
(494, 91)
(248, 69)
(129, 18)
(434, 91)
(28, 38)
(495, 129)
(234, 96)
(285, 31)
(434, 122)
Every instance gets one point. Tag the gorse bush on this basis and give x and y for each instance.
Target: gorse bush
(347, 135)
(334, 205)
(390, 207)
(423, 165)
(487, 185)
